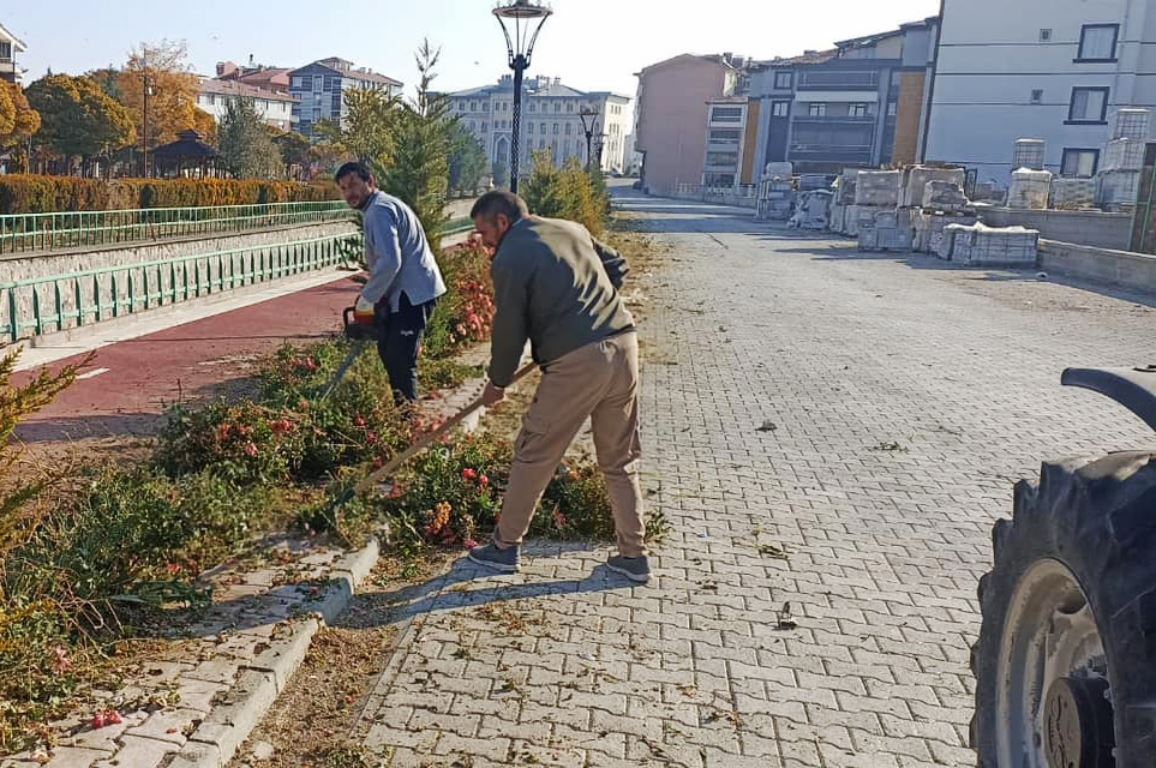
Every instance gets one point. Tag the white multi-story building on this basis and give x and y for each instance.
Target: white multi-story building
(1056, 70)
(555, 117)
(10, 45)
(275, 108)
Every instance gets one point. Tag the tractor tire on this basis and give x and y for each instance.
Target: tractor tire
(1096, 519)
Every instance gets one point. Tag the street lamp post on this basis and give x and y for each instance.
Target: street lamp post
(526, 18)
(589, 131)
(148, 91)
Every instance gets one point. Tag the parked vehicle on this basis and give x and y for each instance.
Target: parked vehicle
(1065, 664)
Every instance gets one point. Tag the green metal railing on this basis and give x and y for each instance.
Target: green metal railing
(458, 227)
(48, 304)
(45, 232)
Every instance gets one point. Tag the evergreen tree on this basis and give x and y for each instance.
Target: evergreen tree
(247, 149)
(467, 159)
(420, 171)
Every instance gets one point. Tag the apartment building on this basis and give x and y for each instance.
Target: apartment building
(10, 46)
(677, 105)
(861, 104)
(275, 108)
(1056, 70)
(319, 90)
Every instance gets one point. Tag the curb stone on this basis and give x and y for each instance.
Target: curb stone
(221, 734)
(218, 738)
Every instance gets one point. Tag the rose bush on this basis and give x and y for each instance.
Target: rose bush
(451, 496)
(464, 314)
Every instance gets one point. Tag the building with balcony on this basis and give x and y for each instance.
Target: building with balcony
(552, 119)
(319, 90)
(729, 163)
(1056, 70)
(675, 120)
(276, 109)
(10, 46)
(860, 104)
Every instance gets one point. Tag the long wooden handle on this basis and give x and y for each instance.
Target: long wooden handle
(431, 438)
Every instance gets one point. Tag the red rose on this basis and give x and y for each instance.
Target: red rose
(469, 475)
(484, 481)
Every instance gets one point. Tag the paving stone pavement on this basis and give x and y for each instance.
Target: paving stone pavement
(862, 417)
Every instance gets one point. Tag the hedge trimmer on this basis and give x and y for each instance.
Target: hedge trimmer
(363, 335)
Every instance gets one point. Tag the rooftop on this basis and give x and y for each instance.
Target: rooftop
(242, 90)
(858, 42)
(17, 43)
(538, 87)
(809, 57)
(346, 69)
(727, 60)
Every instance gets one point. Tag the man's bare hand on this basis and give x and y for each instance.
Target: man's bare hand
(493, 395)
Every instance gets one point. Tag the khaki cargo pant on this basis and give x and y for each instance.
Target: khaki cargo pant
(599, 381)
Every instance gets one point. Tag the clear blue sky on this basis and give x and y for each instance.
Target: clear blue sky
(590, 44)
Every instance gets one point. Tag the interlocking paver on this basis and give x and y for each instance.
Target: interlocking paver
(847, 354)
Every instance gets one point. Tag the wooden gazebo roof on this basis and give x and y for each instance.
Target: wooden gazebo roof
(189, 146)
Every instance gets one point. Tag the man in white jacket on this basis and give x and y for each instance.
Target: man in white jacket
(404, 280)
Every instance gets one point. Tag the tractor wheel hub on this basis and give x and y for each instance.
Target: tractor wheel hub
(1078, 724)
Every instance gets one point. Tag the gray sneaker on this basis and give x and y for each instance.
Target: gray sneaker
(490, 556)
(634, 568)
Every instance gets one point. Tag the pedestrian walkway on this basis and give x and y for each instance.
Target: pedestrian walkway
(129, 384)
(831, 435)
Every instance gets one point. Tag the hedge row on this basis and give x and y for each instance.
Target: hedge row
(48, 194)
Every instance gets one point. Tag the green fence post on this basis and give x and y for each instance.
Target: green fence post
(13, 322)
(79, 303)
(37, 320)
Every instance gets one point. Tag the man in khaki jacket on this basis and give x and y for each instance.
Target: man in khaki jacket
(558, 287)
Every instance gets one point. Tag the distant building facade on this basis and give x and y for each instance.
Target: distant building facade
(319, 90)
(275, 108)
(552, 119)
(862, 104)
(675, 118)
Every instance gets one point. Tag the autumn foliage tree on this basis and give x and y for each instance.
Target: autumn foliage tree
(79, 120)
(366, 131)
(18, 120)
(173, 103)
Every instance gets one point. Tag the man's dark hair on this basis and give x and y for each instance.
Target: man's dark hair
(361, 169)
(497, 202)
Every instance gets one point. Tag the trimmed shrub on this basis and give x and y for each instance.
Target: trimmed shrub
(51, 194)
(567, 193)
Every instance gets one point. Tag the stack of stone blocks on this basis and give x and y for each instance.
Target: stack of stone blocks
(982, 246)
(844, 213)
(1118, 181)
(777, 196)
(882, 225)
